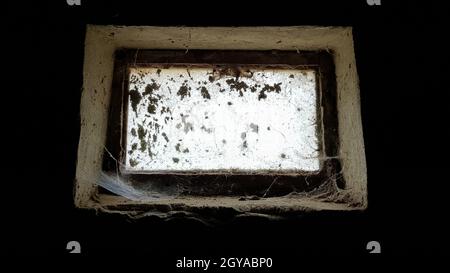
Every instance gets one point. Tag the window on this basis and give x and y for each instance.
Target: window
(208, 117)
(239, 118)
(219, 119)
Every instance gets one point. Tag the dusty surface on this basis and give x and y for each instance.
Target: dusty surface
(101, 43)
(212, 125)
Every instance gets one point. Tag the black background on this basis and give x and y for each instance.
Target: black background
(402, 61)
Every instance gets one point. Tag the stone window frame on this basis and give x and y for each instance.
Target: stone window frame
(103, 41)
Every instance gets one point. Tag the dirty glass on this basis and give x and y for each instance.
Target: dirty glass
(199, 119)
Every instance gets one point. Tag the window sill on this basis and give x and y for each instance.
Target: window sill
(273, 206)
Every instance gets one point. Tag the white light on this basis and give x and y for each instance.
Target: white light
(183, 120)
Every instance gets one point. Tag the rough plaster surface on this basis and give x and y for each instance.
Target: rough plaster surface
(102, 41)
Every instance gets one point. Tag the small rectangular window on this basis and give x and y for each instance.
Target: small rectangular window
(207, 120)
(255, 119)
(226, 121)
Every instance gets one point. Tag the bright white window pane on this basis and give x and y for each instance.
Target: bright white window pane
(182, 120)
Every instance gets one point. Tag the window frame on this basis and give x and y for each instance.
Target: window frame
(235, 184)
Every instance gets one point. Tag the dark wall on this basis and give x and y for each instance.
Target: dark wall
(402, 63)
